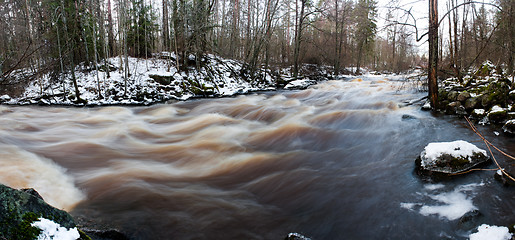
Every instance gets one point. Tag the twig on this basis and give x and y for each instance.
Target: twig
(475, 169)
(488, 144)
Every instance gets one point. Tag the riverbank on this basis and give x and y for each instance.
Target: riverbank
(485, 95)
(157, 80)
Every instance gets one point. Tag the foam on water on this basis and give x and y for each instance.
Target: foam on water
(450, 205)
(22, 169)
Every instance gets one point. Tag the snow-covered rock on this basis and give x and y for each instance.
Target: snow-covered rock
(497, 114)
(300, 84)
(449, 158)
(426, 106)
(486, 232)
(53, 231)
(4, 98)
(478, 114)
(509, 127)
(296, 236)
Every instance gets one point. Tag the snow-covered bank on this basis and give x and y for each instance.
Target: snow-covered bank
(156, 80)
(150, 81)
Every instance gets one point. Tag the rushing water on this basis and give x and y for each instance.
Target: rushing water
(331, 162)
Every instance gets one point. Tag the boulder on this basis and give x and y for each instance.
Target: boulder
(163, 80)
(511, 95)
(495, 94)
(472, 103)
(5, 98)
(456, 108)
(503, 178)
(509, 127)
(497, 114)
(448, 158)
(478, 114)
(453, 95)
(20, 208)
(463, 96)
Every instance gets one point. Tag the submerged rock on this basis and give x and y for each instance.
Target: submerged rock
(20, 208)
(448, 158)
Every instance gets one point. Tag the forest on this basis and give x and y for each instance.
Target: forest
(55, 36)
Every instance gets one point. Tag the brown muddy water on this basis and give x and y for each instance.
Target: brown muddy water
(334, 161)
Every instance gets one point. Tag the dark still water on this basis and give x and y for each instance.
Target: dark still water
(331, 162)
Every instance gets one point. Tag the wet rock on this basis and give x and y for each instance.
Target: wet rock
(501, 177)
(448, 158)
(497, 114)
(18, 209)
(406, 117)
(296, 236)
(470, 219)
(456, 108)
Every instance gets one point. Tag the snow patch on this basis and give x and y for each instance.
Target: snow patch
(479, 112)
(496, 109)
(53, 231)
(458, 149)
(486, 232)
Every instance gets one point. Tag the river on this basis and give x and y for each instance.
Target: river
(334, 161)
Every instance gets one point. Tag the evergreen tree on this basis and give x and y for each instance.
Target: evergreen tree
(141, 32)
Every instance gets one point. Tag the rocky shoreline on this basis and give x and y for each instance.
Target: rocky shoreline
(486, 96)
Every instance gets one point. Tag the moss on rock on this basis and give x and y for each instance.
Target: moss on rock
(19, 209)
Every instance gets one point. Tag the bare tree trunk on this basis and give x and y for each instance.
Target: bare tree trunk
(511, 56)
(110, 32)
(95, 51)
(298, 36)
(166, 26)
(336, 40)
(433, 53)
(358, 63)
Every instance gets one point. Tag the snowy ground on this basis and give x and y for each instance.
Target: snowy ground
(150, 81)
